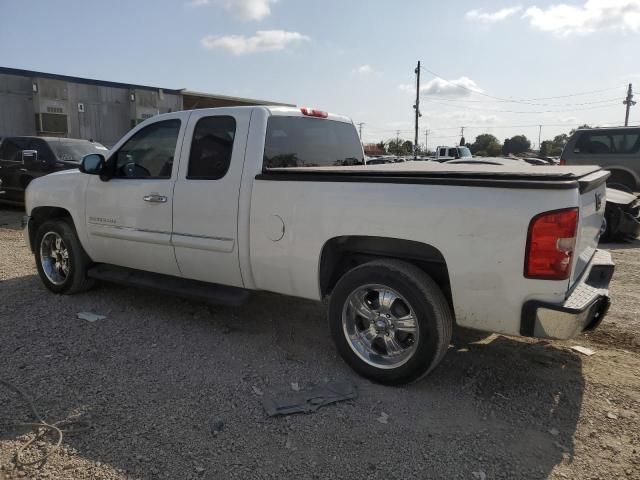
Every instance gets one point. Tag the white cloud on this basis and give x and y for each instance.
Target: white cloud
(564, 20)
(479, 15)
(363, 70)
(461, 87)
(262, 41)
(242, 9)
(569, 119)
(467, 117)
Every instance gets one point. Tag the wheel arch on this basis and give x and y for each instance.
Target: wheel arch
(341, 254)
(39, 215)
(620, 174)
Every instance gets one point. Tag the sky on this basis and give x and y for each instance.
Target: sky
(501, 67)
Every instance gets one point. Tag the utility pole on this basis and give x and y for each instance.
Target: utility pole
(539, 137)
(629, 103)
(360, 128)
(426, 141)
(462, 142)
(417, 109)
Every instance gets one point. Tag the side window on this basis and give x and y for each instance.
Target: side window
(44, 151)
(12, 149)
(149, 153)
(604, 142)
(443, 152)
(627, 142)
(211, 148)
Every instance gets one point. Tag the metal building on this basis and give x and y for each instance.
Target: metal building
(36, 103)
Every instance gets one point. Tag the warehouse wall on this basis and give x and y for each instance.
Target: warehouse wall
(17, 113)
(47, 106)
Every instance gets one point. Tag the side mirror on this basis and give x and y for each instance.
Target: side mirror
(29, 158)
(92, 164)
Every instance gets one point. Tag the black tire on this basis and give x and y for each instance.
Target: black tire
(433, 315)
(79, 262)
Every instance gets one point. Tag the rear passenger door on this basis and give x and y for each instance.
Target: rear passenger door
(205, 198)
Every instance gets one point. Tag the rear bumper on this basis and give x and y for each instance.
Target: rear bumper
(583, 310)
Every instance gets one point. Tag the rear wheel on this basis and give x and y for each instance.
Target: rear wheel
(390, 321)
(60, 259)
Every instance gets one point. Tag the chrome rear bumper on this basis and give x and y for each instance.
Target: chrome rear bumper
(583, 309)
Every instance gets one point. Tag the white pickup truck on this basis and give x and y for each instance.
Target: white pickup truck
(215, 203)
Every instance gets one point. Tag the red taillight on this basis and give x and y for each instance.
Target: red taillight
(550, 244)
(312, 112)
(562, 161)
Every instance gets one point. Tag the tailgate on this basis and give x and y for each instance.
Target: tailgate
(592, 204)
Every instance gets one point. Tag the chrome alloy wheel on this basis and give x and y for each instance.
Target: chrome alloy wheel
(54, 258)
(380, 326)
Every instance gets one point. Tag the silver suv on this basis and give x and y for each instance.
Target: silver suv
(617, 149)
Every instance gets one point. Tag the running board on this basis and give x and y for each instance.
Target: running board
(180, 287)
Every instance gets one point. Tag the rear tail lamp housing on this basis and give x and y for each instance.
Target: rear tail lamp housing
(551, 242)
(562, 161)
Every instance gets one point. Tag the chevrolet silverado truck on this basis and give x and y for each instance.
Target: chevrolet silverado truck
(215, 203)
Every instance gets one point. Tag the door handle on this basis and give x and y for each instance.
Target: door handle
(155, 198)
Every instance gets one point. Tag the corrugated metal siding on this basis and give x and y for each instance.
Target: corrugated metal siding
(17, 114)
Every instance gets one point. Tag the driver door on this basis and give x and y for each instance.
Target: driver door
(129, 217)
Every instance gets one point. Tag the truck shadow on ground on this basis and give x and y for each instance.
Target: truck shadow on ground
(158, 372)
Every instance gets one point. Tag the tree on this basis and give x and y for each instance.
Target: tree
(494, 149)
(486, 145)
(553, 148)
(573, 130)
(400, 147)
(382, 146)
(546, 148)
(515, 145)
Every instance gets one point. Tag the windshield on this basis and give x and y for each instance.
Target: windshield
(464, 152)
(74, 150)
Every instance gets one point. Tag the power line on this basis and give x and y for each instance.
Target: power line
(456, 100)
(513, 100)
(527, 111)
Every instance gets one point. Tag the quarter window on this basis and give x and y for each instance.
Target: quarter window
(211, 148)
(149, 153)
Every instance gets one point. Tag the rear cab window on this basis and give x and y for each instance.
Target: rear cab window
(598, 142)
(310, 142)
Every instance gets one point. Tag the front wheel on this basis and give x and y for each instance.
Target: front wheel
(60, 259)
(390, 321)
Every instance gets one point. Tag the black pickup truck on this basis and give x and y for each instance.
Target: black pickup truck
(24, 158)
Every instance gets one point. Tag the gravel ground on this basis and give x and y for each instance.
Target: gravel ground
(159, 374)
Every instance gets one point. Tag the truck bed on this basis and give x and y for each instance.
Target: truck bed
(530, 176)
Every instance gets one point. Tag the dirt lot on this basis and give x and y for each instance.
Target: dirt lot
(159, 374)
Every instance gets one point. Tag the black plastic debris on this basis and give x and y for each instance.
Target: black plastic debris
(216, 427)
(310, 400)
